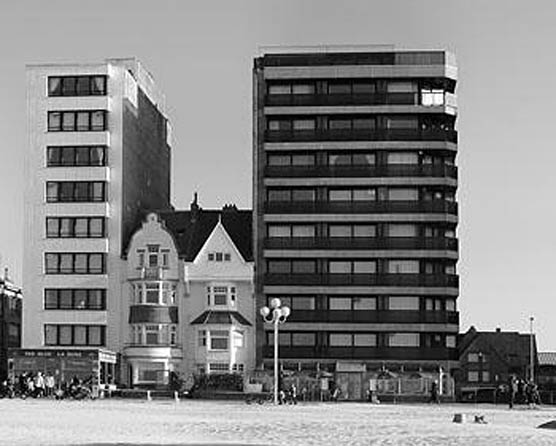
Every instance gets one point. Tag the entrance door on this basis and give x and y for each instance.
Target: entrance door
(350, 384)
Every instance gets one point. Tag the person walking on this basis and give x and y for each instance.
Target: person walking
(512, 390)
(39, 385)
(49, 385)
(434, 398)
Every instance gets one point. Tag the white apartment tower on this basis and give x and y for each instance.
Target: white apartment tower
(98, 157)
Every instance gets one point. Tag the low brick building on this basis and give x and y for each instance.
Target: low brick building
(488, 358)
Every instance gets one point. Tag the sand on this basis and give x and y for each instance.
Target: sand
(49, 422)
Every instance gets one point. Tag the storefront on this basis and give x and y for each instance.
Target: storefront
(95, 366)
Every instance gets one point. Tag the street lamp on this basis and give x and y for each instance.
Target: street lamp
(276, 314)
(531, 346)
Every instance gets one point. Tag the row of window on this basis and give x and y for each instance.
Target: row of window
(90, 85)
(75, 335)
(76, 156)
(78, 121)
(361, 266)
(362, 303)
(74, 299)
(359, 122)
(295, 230)
(356, 87)
(220, 339)
(154, 334)
(221, 295)
(219, 257)
(154, 293)
(75, 191)
(356, 194)
(358, 159)
(362, 339)
(75, 227)
(75, 263)
(154, 256)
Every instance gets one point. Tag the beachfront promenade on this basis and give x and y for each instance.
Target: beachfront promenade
(188, 422)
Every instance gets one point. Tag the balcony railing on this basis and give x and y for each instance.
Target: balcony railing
(427, 243)
(153, 273)
(371, 353)
(342, 99)
(361, 135)
(391, 170)
(375, 316)
(334, 279)
(363, 207)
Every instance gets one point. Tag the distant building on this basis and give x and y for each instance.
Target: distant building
(488, 358)
(546, 372)
(10, 320)
(189, 296)
(98, 156)
(355, 207)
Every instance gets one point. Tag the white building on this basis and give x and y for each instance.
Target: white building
(190, 302)
(98, 155)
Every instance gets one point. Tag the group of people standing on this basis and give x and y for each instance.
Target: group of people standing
(522, 392)
(36, 385)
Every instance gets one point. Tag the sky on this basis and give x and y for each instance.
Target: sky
(201, 55)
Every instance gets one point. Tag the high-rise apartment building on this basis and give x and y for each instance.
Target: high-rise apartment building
(98, 156)
(355, 207)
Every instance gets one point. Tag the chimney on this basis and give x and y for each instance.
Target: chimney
(194, 207)
(498, 330)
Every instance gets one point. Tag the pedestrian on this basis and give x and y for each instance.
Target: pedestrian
(49, 384)
(434, 398)
(512, 390)
(39, 385)
(304, 393)
(293, 394)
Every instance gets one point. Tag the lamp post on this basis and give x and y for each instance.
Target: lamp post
(531, 347)
(276, 314)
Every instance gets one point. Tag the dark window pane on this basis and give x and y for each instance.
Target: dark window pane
(82, 121)
(98, 85)
(363, 87)
(338, 88)
(53, 156)
(98, 121)
(96, 227)
(364, 123)
(50, 299)
(68, 156)
(68, 87)
(303, 195)
(82, 156)
(66, 191)
(51, 263)
(81, 266)
(98, 191)
(50, 334)
(65, 334)
(97, 156)
(80, 299)
(96, 263)
(68, 121)
(83, 88)
(96, 335)
(303, 266)
(96, 299)
(82, 191)
(80, 334)
(279, 266)
(279, 195)
(335, 123)
(81, 227)
(66, 227)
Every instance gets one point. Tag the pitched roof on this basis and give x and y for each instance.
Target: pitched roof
(220, 317)
(192, 228)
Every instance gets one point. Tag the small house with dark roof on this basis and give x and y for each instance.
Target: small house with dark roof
(488, 358)
(190, 282)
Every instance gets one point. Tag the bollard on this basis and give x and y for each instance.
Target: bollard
(176, 397)
(459, 418)
(149, 398)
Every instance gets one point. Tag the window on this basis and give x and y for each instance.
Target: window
(75, 227)
(154, 293)
(154, 334)
(364, 303)
(339, 267)
(401, 230)
(303, 339)
(75, 156)
(399, 194)
(90, 335)
(279, 89)
(75, 263)
(364, 340)
(403, 340)
(364, 267)
(238, 368)
(91, 85)
(219, 340)
(219, 367)
(450, 305)
(472, 357)
(339, 88)
(295, 302)
(339, 303)
(339, 231)
(340, 339)
(303, 124)
(279, 231)
(403, 266)
(450, 341)
(403, 158)
(366, 194)
(401, 87)
(74, 299)
(238, 339)
(486, 376)
(403, 303)
(432, 96)
(219, 295)
(303, 89)
(303, 266)
(202, 338)
(75, 191)
(77, 121)
(473, 376)
(303, 231)
(402, 123)
(349, 267)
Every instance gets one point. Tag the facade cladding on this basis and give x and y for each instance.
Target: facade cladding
(98, 156)
(355, 209)
(10, 321)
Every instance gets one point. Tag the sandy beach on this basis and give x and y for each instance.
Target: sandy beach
(45, 422)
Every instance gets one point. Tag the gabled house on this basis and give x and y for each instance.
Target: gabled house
(192, 310)
(487, 359)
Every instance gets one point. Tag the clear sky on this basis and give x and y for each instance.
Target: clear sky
(201, 55)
